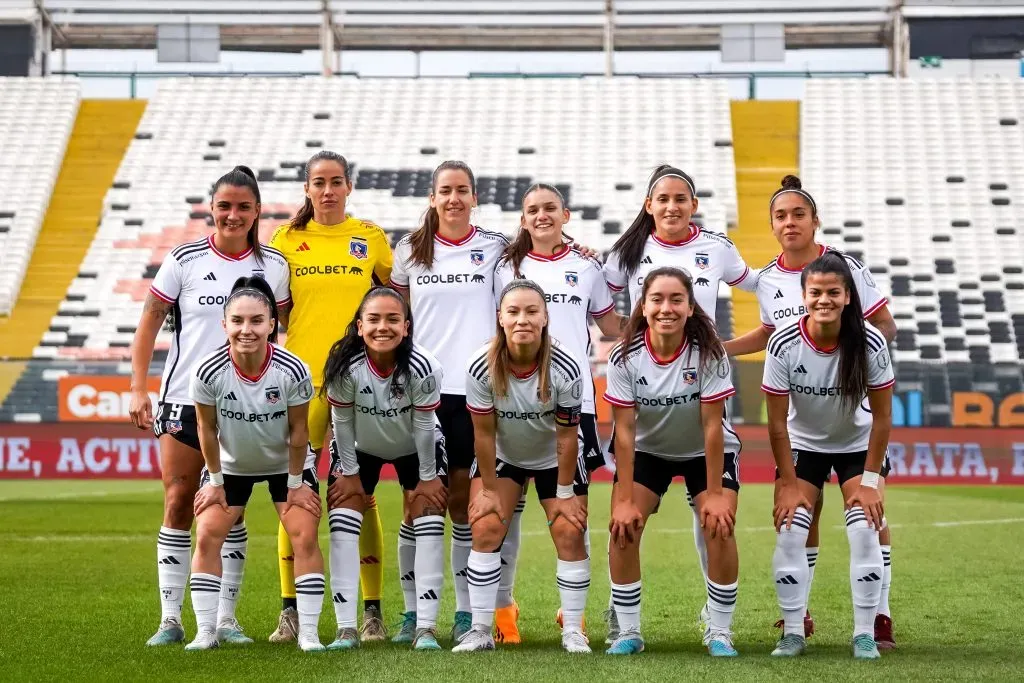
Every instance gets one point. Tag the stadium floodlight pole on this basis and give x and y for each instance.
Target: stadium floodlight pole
(326, 37)
(609, 37)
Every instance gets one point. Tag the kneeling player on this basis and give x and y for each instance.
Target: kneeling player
(667, 382)
(251, 400)
(383, 391)
(525, 393)
(816, 376)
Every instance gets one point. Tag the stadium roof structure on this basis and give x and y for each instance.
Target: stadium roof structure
(295, 25)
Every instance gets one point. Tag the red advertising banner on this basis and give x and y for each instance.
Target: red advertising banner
(118, 451)
(98, 398)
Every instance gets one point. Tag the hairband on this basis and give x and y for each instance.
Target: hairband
(249, 291)
(693, 192)
(521, 283)
(814, 207)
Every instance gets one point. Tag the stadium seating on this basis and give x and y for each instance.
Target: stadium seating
(36, 117)
(924, 180)
(598, 139)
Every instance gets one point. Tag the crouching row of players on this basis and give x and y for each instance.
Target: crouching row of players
(667, 382)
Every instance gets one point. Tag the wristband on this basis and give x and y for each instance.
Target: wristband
(216, 478)
(869, 479)
(564, 492)
(294, 480)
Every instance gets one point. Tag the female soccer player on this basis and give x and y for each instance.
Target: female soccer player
(251, 398)
(662, 234)
(575, 290)
(667, 383)
(525, 393)
(383, 391)
(446, 269)
(794, 216)
(334, 260)
(816, 376)
(192, 284)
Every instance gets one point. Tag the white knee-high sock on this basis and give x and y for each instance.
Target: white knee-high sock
(510, 554)
(573, 579)
(173, 559)
(626, 602)
(865, 570)
(698, 538)
(205, 590)
(722, 604)
(883, 599)
(429, 568)
(345, 526)
(232, 556)
(407, 565)
(812, 561)
(462, 542)
(309, 600)
(483, 574)
(789, 564)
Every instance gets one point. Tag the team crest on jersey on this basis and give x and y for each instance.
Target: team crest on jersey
(701, 261)
(357, 247)
(273, 395)
(571, 278)
(689, 375)
(173, 426)
(476, 257)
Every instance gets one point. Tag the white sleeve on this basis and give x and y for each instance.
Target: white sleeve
(766, 316)
(300, 391)
(166, 286)
(620, 390)
(426, 392)
(199, 391)
(601, 302)
(423, 436)
(399, 273)
(776, 375)
(479, 398)
(716, 381)
(341, 396)
(282, 294)
(880, 374)
(613, 274)
(871, 298)
(737, 274)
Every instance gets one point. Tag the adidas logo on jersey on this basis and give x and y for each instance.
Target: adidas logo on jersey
(778, 294)
(210, 276)
(646, 259)
(801, 369)
(642, 381)
(230, 396)
(366, 390)
(302, 247)
(429, 595)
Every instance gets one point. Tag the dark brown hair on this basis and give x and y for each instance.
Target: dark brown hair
(791, 183)
(305, 214)
(422, 240)
(242, 176)
(523, 242)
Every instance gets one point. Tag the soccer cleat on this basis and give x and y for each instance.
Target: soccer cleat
(407, 632)
(205, 640)
(425, 639)
(310, 642)
(790, 645)
(883, 633)
(864, 647)
(506, 624)
(475, 639)
(170, 632)
(612, 620)
(347, 639)
(575, 642)
(628, 643)
(287, 626)
(704, 619)
(229, 632)
(561, 624)
(463, 624)
(808, 625)
(373, 629)
(719, 643)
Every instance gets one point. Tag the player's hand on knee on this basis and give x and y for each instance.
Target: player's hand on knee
(571, 510)
(788, 498)
(305, 498)
(717, 515)
(626, 523)
(344, 488)
(208, 496)
(486, 502)
(433, 492)
(870, 500)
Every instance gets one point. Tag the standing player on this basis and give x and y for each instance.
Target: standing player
(662, 234)
(794, 217)
(384, 390)
(446, 269)
(192, 285)
(667, 382)
(251, 399)
(575, 290)
(816, 375)
(334, 260)
(525, 393)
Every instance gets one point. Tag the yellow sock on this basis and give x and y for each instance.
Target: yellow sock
(286, 563)
(371, 553)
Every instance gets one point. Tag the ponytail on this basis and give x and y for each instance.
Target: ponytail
(242, 176)
(499, 360)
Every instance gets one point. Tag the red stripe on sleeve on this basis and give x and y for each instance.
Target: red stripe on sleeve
(479, 411)
(721, 396)
(604, 311)
(878, 306)
(879, 387)
(160, 295)
(428, 408)
(740, 279)
(773, 391)
(618, 401)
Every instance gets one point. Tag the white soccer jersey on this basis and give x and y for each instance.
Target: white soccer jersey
(794, 365)
(573, 287)
(196, 279)
(666, 397)
(252, 412)
(526, 426)
(383, 424)
(709, 258)
(453, 302)
(781, 300)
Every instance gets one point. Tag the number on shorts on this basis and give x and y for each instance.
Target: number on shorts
(175, 411)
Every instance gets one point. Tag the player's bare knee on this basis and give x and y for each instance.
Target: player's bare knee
(304, 541)
(488, 533)
(179, 504)
(568, 539)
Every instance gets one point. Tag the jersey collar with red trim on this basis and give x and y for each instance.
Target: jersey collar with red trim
(263, 370)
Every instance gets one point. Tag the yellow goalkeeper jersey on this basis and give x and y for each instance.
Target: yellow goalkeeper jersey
(331, 268)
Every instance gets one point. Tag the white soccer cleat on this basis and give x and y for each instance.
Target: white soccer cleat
(287, 626)
(206, 639)
(575, 642)
(229, 632)
(476, 639)
(170, 632)
(310, 642)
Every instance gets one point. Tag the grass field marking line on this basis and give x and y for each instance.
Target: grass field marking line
(80, 494)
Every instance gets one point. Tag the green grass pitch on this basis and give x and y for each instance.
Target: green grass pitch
(79, 596)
